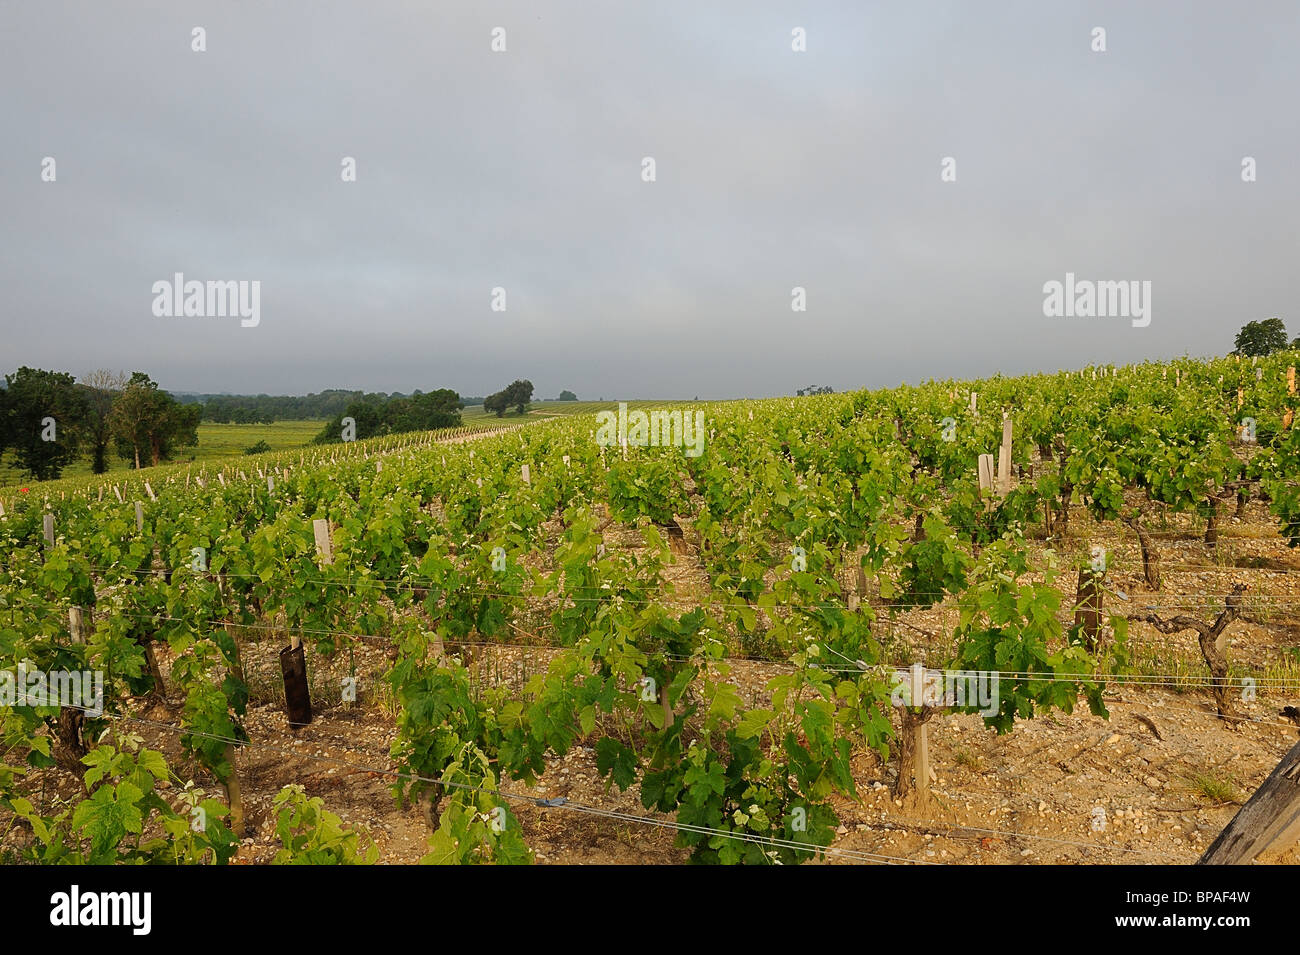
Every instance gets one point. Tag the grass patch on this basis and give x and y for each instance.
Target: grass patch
(1218, 789)
(218, 444)
(964, 757)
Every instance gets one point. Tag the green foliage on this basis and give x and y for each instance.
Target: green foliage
(42, 417)
(811, 517)
(377, 415)
(310, 834)
(124, 819)
(1260, 338)
(647, 485)
(1009, 624)
(518, 393)
(149, 424)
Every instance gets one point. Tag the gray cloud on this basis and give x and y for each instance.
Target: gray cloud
(522, 170)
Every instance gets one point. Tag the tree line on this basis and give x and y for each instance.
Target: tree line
(48, 419)
(331, 404)
(376, 415)
(267, 409)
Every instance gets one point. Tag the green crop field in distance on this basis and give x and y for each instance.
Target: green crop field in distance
(537, 410)
(218, 443)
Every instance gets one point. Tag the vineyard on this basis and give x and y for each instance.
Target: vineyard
(519, 644)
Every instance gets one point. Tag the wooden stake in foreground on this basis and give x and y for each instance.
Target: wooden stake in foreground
(1271, 818)
(297, 696)
(986, 477)
(1004, 459)
(76, 624)
(324, 548)
(913, 783)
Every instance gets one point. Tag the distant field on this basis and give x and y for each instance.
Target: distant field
(217, 442)
(226, 442)
(474, 414)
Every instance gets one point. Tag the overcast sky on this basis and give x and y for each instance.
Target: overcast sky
(523, 170)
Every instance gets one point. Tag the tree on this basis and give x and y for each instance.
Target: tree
(147, 419)
(1260, 338)
(568, 396)
(519, 393)
(435, 409)
(101, 387)
(367, 419)
(44, 414)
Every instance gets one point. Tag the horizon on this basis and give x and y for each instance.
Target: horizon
(184, 392)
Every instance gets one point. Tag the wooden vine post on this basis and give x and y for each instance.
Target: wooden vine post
(293, 661)
(1290, 390)
(986, 477)
(1088, 605)
(1004, 459)
(997, 479)
(913, 783)
(76, 624)
(1270, 818)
